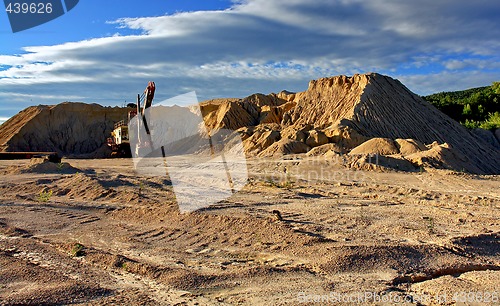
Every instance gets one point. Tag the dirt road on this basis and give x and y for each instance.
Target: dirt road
(101, 235)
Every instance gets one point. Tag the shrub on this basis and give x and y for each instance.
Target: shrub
(492, 123)
(77, 250)
(44, 196)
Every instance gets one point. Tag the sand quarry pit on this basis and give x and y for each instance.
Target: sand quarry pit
(358, 192)
(103, 235)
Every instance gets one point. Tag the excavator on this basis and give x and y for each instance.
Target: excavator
(119, 141)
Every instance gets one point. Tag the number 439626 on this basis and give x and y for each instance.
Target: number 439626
(29, 8)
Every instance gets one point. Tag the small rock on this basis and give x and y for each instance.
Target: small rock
(277, 215)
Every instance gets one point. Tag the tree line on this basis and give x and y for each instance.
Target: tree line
(473, 108)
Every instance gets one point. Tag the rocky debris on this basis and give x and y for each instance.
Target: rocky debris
(316, 138)
(410, 146)
(287, 95)
(381, 146)
(277, 215)
(344, 135)
(283, 147)
(497, 134)
(231, 116)
(324, 149)
(274, 114)
(298, 133)
(260, 140)
(442, 157)
(380, 162)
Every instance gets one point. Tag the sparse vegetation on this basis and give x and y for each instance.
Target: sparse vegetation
(44, 196)
(430, 225)
(141, 189)
(271, 183)
(492, 123)
(77, 250)
(287, 184)
(124, 266)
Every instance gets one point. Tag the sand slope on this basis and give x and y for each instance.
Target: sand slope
(66, 128)
(379, 106)
(12, 127)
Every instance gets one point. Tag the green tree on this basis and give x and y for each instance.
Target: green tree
(472, 107)
(492, 123)
(467, 110)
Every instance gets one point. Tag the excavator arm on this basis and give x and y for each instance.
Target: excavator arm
(149, 94)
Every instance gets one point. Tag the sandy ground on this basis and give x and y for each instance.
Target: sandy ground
(103, 236)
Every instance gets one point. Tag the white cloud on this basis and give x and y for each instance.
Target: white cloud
(3, 119)
(36, 96)
(473, 63)
(264, 46)
(425, 84)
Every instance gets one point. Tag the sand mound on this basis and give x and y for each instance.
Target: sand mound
(379, 106)
(253, 110)
(351, 110)
(82, 186)
(283, 147)
(260, 140)
(380, 162)
(298, 133)
(43, 165)
(442, 157)
(67, 128)
(381, 146)
(274, 114)
(410, 146)
(329, 147)
(316, 138)
(14, 125)
(344, 135)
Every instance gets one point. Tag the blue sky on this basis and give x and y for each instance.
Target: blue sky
(106, 51)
